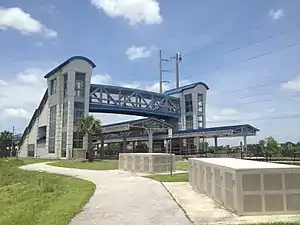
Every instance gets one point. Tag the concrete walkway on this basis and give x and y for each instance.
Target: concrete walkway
(121, 198)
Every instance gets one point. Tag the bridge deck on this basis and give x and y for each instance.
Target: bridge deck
(122, 100)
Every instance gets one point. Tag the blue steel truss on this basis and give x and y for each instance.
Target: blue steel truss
(122, 100)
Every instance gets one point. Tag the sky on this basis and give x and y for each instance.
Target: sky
(247, 52)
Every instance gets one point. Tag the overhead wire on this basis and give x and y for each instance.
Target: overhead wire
(281, 32)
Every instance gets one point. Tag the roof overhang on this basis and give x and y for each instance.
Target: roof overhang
(67, 62)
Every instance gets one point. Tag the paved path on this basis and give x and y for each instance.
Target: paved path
(122, 199)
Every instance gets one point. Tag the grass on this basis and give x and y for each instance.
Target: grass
(27, 161)
(33, 198)
(179, 177)
(182, 165)
(102, 165)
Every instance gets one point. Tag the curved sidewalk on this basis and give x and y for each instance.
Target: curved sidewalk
(121, 198)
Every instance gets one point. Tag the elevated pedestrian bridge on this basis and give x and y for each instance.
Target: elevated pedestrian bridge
(123, 100)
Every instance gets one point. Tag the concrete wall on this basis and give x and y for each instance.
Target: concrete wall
(31, 138)
(41, 149)
(58, 100)
(43, 118)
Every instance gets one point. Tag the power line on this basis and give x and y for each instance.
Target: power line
(295, 44)
(282, 32)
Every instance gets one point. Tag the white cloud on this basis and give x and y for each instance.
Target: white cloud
(139, 52)
(134, 11)
(276, 14)
(3, 83)
(292, 85)
(20, 95)
(31, 76)
(101, 79)
(223, 116)
(16, 113)
(16, 18)
(23, 90)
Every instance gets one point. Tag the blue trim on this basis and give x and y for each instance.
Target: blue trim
(191, 131)
(132, 90)
(131, 111)
(123, 123)
(189, 86)
(67, 62)
(217, 129)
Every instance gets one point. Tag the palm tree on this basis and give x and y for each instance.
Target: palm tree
(6, 139)
(89, 126)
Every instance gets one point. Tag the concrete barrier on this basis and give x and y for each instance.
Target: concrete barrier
(146, 162)
(248, 187)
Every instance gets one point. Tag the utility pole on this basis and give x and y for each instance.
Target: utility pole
(161, 70)
(12, 141)
(178, 59)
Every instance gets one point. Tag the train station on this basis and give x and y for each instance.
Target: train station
(177, 116)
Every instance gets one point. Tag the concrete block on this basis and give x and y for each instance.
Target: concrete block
(248, 187)
(146, 162)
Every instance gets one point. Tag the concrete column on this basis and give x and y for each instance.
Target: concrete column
(245, 145)
(124, 143)
(216, 144)
(70, 117)
(102, 146)
(166, 143)
(180, 146)
(197, 144)
(70, 128)
(150, 140)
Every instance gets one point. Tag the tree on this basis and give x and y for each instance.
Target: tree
(6, 139)
(272, 146)
(89, 126)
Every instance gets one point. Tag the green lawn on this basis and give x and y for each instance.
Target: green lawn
(179, 177)
(182, 165)
(33, 198)
(102, 165)
(35, 160)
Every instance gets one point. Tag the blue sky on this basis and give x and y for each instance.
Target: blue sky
(229, 45)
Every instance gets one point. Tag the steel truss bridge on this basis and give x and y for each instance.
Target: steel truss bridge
(122, 100)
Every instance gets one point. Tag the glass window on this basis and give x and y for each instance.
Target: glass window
(30, 150)
(52, 129)
(65, 114)
(188, 103)
(65, 85)
(200, 103)
(79, 84)
(200, 121)
(77, 140)
(53, 84)
(189, 122)
(63, 144)
(78, 111)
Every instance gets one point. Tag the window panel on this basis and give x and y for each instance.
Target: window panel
(77, 140)
(189, 122)
(188, 103)
(53, 84)
(65, 84)
(79, 84)
(78, 111)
